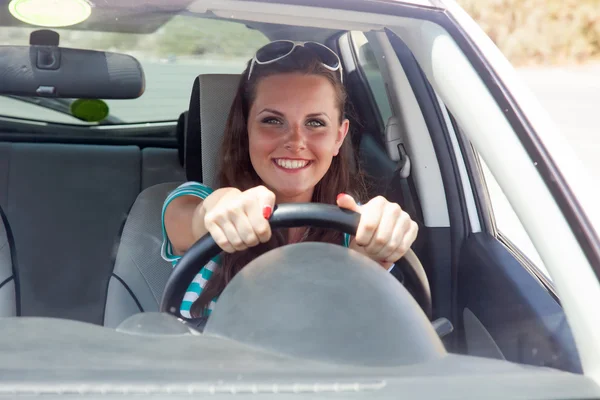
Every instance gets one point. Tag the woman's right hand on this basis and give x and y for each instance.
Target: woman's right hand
(238, 220)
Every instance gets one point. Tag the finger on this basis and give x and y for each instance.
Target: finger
(400, 230)
(243, 226)
(407, 241)
(369, 221)
(264, 197)
(385, 230)
(256, 217)
(219, 237)
(233, 236)
(259, 209)
(346, 201)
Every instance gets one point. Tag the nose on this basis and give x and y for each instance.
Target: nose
(295, 140)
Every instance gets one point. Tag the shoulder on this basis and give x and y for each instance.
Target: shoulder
(189, 189)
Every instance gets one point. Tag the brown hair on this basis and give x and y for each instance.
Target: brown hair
(236, 169)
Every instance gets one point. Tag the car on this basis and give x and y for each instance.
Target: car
(497, 298)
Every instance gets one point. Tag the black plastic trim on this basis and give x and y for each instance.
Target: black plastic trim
(193, 137)
(142, 142)
(137, 302)
(13, 259)
(528, 265)
(159, 134)
(4, 282)
(484, 210)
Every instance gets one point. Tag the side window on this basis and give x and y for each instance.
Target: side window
(509, 229)
(367, 62)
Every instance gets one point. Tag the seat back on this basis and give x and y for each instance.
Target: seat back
(140, 274)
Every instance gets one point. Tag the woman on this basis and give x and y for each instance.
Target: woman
(284, 142)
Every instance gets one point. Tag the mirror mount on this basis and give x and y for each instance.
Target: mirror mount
(44, 37)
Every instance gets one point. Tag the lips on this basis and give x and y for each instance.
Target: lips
(291, 164)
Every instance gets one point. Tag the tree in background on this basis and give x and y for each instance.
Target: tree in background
(540, 31)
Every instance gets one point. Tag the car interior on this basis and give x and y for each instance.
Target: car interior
(81, 233)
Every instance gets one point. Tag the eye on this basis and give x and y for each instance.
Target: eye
(315, 123)
(271, 121)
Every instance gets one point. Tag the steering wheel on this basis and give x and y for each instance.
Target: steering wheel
(289, 216)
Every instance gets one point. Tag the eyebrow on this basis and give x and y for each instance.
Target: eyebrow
(280, 114)
(272, 111)
(318, 115)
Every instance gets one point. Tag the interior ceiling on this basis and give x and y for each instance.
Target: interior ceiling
(146, 16)
(127, 16)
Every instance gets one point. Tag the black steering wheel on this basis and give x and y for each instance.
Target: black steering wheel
(289, 216)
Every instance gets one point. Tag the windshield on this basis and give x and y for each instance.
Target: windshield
(419, 216)
(172, 57)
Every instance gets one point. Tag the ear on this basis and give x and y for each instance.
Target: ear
(341, 135)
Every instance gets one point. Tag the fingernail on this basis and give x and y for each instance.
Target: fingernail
(267, 210)
(339, 196)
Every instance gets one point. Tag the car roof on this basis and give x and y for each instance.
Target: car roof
(148, 16)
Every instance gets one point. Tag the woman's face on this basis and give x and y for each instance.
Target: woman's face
(294, 132)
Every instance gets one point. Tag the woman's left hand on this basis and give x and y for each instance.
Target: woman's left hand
(385, 232)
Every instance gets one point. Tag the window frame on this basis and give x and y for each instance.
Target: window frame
(487, 217)
(374, 108)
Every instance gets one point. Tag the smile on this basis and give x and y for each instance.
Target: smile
(286, 163)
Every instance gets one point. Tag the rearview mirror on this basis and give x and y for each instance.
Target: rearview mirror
(52, 71)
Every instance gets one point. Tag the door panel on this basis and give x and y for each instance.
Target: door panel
(503, 302)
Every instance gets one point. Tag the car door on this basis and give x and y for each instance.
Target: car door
(504, 299)
(502, 303)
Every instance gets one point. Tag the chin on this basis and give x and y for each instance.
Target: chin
(291, 193)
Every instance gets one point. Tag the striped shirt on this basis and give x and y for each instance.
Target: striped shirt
(199, 282)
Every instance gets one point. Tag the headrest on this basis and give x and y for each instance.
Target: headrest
(211, 100)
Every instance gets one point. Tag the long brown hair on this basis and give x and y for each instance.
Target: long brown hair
(236, 169)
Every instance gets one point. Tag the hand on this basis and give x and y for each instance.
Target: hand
(385, 232)
(239, 220)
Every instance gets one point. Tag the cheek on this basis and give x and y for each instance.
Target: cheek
(260, 144)
(325, 146)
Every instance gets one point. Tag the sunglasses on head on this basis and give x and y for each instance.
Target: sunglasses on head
(280, 49)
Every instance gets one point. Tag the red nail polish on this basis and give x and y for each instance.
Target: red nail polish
(339, 196)
(267, 210)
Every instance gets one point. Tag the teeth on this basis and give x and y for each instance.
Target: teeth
(291, 164)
